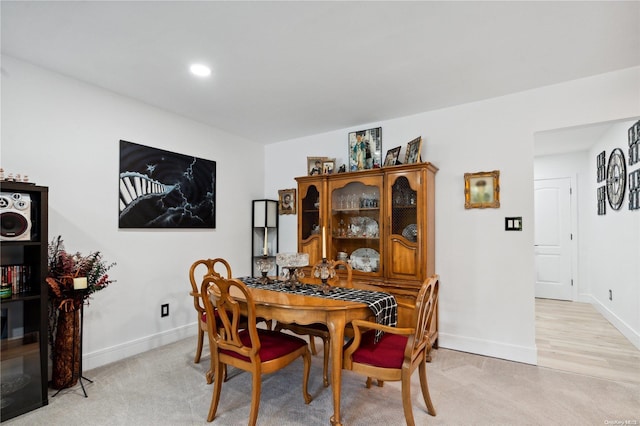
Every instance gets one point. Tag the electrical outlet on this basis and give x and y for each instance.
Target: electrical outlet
(164, 310)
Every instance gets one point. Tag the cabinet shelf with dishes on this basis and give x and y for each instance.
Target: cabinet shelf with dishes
(381, 220)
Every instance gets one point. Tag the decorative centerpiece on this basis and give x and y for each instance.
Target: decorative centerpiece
(324, 270)
(291, 264)
(72, 279)
(264, 266)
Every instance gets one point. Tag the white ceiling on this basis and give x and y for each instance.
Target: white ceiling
(283, 70)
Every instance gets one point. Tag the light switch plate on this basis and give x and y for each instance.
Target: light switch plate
(513, 223)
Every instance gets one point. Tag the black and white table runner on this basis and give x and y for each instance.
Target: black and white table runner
(383, 305)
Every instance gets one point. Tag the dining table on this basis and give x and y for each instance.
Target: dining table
(307, 304)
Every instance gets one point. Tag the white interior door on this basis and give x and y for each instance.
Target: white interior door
(552, 238)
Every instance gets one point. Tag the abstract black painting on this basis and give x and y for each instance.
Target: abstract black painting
(162, 189)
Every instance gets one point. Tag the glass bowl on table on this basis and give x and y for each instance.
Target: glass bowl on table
(291, 264)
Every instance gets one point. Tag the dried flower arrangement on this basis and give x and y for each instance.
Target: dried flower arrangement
(65, 266)
(66, 302)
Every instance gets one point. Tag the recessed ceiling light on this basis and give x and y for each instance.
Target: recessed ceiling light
(200, 70)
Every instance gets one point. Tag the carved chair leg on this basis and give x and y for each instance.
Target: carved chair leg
(325, 370)
(312, 344)
(255, 397)
(422, 370)
(215, 398)
(305, 377)
(406, 396)
(380, 383)
(199, 348)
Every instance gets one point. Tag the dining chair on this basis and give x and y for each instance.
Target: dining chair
(399, 351)
(258, 351)
(210, 265)
(318, 329)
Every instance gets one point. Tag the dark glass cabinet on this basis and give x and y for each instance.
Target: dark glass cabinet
(23, 256)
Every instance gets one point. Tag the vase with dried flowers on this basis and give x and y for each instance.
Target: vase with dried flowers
(72, 279)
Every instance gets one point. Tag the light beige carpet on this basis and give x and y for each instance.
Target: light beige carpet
(164, 387)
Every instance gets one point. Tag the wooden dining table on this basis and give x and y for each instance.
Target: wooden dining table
(305, 309)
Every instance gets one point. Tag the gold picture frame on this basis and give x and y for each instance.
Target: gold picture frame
(482, 190)
(287, 201)
(412, 155)
(314, 165)
(328, 166)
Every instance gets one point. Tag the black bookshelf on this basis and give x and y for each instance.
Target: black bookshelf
(23, 343)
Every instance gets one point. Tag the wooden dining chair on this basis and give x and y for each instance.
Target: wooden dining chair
(318, 329)
(210, 265)
(400, 350)
(255, 350)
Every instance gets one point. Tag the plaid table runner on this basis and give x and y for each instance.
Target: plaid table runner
(383, 305)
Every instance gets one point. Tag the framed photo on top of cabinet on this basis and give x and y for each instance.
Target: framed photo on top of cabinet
(413, 151)
(287, 201)
(314, 165)
(482, 190)
(328, 164)
(365, 149)
(391, 158)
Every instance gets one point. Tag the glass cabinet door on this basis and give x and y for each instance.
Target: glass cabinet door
(355, 225)
(310, 219)
(404, 202)
(404, 249)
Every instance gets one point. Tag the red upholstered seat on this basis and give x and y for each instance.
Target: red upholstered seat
(387, 353)
(273, 344)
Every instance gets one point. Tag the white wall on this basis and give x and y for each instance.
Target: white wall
(64, 134)
(487, 275)
(614, 246)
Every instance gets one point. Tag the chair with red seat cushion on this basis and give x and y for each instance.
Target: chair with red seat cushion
(400, 350)
(210, 265)
(251, 349)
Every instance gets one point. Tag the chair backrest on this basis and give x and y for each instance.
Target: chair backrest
(347, 266)
(224, 333)
(210, 265)
(335, 281)
(426, 303)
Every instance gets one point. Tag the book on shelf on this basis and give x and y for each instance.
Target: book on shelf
(18, 276)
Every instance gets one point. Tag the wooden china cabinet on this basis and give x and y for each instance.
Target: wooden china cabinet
(382, 220)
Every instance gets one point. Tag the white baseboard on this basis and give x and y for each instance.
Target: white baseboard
(527, 355)
(134, 347)
(627, 331)
(524, 354)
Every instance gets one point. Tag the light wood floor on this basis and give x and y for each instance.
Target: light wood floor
(575, 337)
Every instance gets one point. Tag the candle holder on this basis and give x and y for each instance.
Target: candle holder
(264, 266)
(324, 270)
(292, 262)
